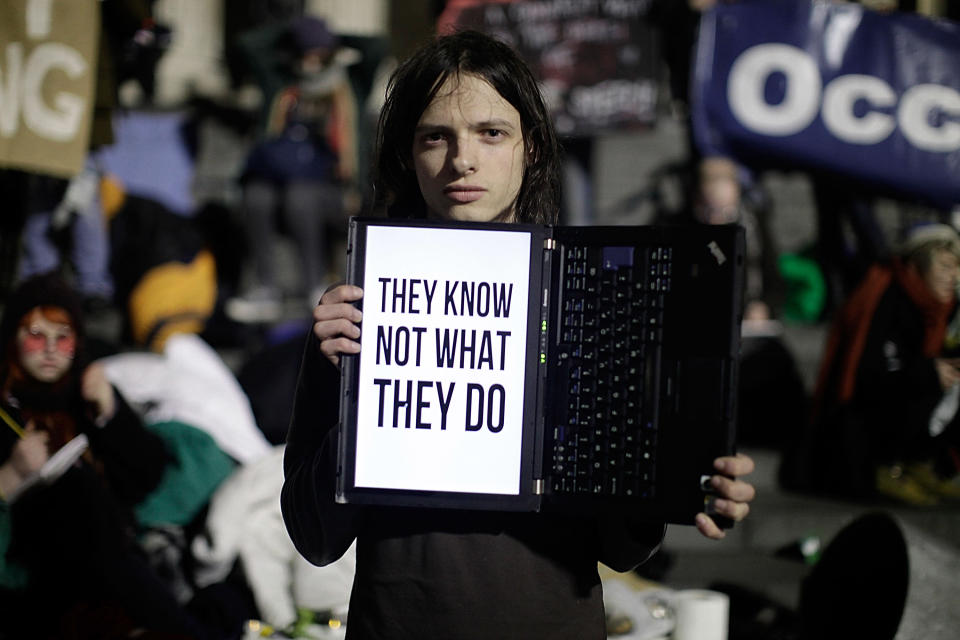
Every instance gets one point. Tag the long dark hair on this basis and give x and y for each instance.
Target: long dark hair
(413, 87)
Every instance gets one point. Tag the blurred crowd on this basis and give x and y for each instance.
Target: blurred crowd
(154, 317)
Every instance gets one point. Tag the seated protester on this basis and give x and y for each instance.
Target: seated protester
(66, 547)
(464, 135)
(886, 380)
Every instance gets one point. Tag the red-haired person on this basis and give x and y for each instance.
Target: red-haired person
(67, 551)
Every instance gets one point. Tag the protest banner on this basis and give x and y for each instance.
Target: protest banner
(597, 61)
(832, 87)
(48, 54)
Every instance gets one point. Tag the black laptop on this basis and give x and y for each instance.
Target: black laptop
(531, 368)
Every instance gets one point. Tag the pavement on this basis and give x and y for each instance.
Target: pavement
(754, 555)
(751, 556)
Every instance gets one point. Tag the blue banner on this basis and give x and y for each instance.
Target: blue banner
(834, 87)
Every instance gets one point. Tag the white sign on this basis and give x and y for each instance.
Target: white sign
(440, 401)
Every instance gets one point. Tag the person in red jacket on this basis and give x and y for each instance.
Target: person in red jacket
(885, 411)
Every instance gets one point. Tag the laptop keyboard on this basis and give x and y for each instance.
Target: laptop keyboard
(605, 433)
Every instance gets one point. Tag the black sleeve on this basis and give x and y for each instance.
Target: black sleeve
(321, 529)
(899, 381)
(625, 542)
(133, 457)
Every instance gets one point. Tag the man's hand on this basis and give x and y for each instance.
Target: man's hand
(733, 494)
(947, 371)
(335, 322)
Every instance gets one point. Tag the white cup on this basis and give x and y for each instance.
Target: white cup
(701, 615)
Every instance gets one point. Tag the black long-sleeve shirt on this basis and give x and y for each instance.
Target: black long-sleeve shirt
(434, 573)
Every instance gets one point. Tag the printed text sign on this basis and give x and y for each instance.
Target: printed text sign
(440, 401)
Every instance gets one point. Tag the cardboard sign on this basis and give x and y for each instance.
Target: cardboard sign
(443, 351)
(47, 73)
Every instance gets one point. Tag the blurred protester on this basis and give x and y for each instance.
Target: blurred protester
(63, 219)
(885, 412)
(771, 390)
(845, 212)
(300, 167)
(185, 380)
(244, 527)
(725, 194)
(68, 558)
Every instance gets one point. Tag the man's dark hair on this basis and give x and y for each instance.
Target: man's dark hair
(413, 87)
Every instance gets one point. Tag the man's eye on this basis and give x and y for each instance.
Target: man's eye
(433, 137)
(494, 133)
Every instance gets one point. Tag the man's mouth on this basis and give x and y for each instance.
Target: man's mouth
(464, 195)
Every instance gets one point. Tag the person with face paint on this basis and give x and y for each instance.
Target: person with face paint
(464, 135)
(66, 544)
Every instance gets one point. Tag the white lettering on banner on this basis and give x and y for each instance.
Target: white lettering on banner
(839, 99)
(22, 86)
(626, 8)
(610, 98)
(493, 15)
(539, 35)
(914, 114)
(748, 77)
(63, 123)
(39, 14)
(927, 114)
(10, 90)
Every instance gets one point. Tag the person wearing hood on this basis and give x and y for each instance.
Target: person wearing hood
(67, 550)
(885, 404)
(301, 169)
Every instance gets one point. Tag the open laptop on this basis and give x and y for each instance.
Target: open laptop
(526, 368)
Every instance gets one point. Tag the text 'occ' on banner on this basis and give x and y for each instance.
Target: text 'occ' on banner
(441, 380)
(836, 87)
(47, 75)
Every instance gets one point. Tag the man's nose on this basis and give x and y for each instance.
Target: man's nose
(464, 157)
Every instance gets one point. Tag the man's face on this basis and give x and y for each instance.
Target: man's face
(468, 152)
(45, 348)
(941, 277)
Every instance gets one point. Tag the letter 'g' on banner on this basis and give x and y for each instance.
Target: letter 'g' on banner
(47, 77)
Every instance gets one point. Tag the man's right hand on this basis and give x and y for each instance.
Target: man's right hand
(947, 370)
(335, 322)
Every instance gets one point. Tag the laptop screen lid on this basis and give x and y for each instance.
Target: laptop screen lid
(442, 401)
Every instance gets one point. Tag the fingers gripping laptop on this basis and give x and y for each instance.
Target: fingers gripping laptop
(529, 368)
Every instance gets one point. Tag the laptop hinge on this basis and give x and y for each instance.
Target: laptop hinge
(538, 486)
